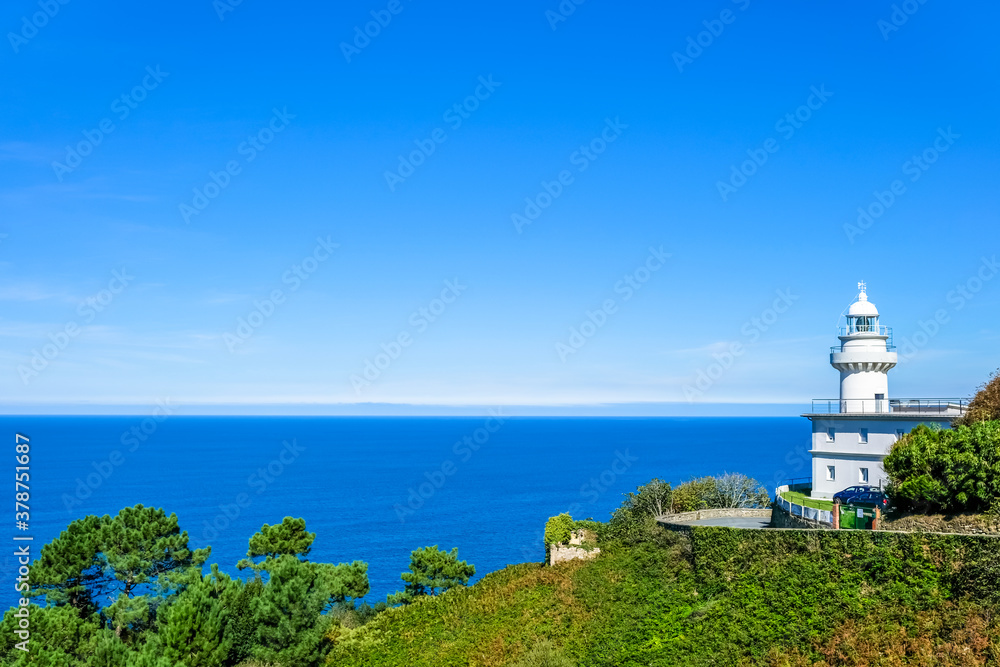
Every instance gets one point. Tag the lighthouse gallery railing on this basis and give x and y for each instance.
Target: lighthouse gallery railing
(900, 406)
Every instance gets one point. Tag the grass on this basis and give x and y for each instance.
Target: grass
(804, 500)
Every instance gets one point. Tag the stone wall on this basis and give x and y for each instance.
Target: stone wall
(559, 553)
(974, 524)
(725, 513)
(682, 520)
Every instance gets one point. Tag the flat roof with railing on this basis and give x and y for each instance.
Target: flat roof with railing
(899, 407)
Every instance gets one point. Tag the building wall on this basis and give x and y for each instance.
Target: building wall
(848, 454)
(848, 473)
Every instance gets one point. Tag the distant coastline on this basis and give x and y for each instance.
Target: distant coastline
(678, 409)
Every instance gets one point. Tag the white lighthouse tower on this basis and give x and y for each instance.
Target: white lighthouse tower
(852, 435)
(864, 358)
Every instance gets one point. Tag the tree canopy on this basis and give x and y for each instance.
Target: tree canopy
(724, 491)
(432, 571)
(119, 565)
(127, 591)
(946, 470)
(985, 405)
(288, 538)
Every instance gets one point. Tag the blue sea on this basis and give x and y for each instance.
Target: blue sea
(375, 488)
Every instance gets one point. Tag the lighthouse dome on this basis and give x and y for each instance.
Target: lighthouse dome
(862, 307)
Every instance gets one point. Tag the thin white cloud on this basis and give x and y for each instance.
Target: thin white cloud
(31, 293)
(23, 151)
(84, 189)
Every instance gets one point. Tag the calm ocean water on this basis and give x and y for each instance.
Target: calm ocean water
(373, 489)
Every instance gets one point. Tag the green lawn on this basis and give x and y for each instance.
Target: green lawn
(804, 500)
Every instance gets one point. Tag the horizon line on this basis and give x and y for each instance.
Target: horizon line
(643, 409)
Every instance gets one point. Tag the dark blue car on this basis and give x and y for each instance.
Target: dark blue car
(863, 496)
(844, 496)
(873, 498)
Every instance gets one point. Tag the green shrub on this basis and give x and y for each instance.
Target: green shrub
(652, 499)
(936, 470)
(544, 654)
(724, 491)
(635, 520)
(558, 529)
(693, 495)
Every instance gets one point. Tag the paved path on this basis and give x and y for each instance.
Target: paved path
(732, 522)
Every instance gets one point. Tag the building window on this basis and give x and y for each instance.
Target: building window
(863, 475)
(830, 433)
(864, 436)
(899, 434)
(831, 473)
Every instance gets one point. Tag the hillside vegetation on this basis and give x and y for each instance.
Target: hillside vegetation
(714, 596)
(126, 591)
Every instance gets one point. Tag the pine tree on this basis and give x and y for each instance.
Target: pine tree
(68, 570)
(191, 630)
(143, 546)
(289, 610)
(288, 538)
(130, 563)
(432, 571)
(59, 637)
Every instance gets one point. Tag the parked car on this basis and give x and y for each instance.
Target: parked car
(851, 491)
(873, 498)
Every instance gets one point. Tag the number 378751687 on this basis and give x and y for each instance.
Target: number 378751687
(22, 492)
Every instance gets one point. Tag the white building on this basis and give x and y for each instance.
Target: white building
(852, 435)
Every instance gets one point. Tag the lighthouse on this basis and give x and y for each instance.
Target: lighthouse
(864, 358)
(852, 435)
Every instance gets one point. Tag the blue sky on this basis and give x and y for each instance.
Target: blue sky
(219, 155)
